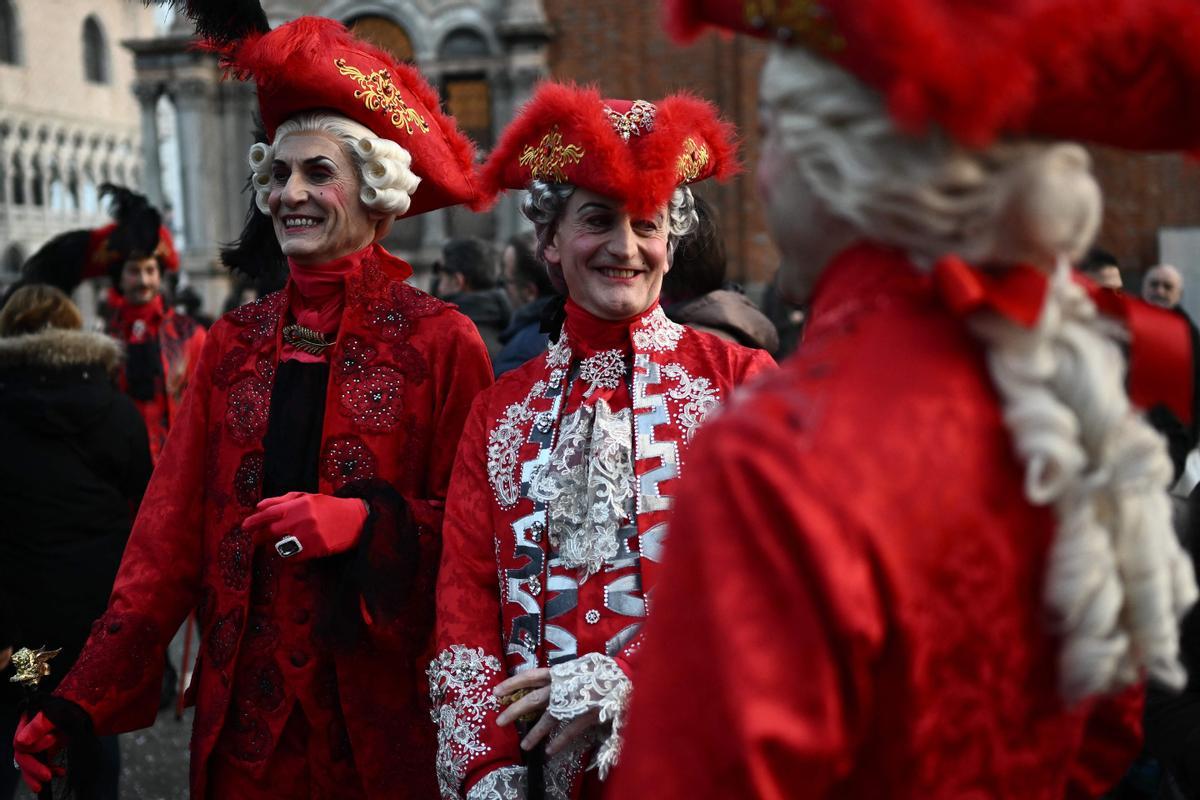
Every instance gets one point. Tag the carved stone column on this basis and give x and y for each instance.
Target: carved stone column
(147, 96)
(526, 35)
(193, 102)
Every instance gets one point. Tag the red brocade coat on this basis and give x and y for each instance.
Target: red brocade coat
(402, 375)
(505, 602)
(857, 609)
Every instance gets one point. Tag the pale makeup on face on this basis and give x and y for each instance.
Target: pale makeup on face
(314, 200)
(613, 263)
(141, 280)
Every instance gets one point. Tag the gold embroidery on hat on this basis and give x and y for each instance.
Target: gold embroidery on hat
(637, 120)
(546, 161)
(692, 162)
(807, 21)
(378, 93)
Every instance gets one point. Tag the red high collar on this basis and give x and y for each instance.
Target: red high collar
(588, 334)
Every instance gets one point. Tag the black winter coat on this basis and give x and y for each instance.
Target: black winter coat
(75, 463)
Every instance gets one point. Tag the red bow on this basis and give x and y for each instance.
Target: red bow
(1161, 366)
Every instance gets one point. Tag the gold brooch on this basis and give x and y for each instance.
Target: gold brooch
(546, 161)
(31, 666)
(378, 93)
(306, 340)
(807, 20)
(637, 120)
(692, 162)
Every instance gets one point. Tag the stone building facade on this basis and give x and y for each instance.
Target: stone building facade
(68, 121)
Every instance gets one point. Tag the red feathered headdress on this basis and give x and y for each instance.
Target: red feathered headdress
(1118, 72)
(315, 64)
(633, 151)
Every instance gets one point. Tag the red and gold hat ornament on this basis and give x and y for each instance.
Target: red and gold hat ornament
(635, 151)
(315, 64)
(1119, 72)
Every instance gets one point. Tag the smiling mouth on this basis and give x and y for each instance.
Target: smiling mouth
(613, 272)
(298, 223)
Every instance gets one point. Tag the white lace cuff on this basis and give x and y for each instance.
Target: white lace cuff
(591, 682)
(506, 783)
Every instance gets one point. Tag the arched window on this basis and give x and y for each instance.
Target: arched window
(9, 36)
(38, 186)
(14, 257)
(95, 52)
(18, 182)
(383, 33)
(463, 43)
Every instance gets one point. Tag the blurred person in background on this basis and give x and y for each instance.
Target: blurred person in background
(1103, 268)
(1162, 285)
(695, 292)
(77, 466)
(135, 252)
(466, 277)
(933, 556)
(530, 291)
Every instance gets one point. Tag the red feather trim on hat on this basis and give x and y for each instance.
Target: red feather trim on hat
(568, 134)
(315, 64)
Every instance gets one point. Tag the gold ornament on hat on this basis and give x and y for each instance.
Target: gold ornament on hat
(547, 159)
(693, 161)
(637, 120)
(805, 20)
(31, 666)
(378, 93)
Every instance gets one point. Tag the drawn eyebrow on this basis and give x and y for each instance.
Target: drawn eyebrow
(595, 204)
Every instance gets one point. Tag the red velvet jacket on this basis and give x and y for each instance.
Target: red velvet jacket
(402, 376)
(504, 603)
(180, 341)
(857, 608)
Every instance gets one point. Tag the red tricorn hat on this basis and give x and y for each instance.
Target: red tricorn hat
(633, 151)
(1117, 72)
(315, 64)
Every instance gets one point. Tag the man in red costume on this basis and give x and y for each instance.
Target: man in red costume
(298, 503)
(162, 347)
(568, 465)
(926, 558)
(135, 252)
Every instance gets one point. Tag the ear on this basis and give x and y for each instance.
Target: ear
(550, 253)
(383, 223)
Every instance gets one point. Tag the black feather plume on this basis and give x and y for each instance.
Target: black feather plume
(221, 22)
(255, 254)
(59, 262)
(138, 222)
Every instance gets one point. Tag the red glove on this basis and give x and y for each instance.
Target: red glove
(323, 524)
(31, 741)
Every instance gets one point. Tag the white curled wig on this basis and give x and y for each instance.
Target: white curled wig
(1117, 579)
(388, 181)
(544, 203)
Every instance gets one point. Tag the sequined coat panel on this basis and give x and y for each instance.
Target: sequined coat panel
(505, 604)
(403, 374)
(858, 604)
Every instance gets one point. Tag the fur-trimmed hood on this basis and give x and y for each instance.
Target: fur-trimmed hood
(57, 348)
(58, 382)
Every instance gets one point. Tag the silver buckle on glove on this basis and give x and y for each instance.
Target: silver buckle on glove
(288, 546)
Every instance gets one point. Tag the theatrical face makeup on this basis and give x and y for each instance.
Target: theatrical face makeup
(314, 200)
(613, 263)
